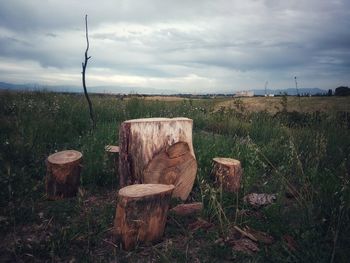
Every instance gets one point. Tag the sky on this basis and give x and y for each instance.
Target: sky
(181, 46)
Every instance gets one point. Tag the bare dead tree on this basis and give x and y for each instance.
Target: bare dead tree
(84, 64)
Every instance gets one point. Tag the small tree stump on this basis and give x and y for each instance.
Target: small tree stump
(228, 173)
(158, 150)
(141, 213)
(113, 152)
(63, 174)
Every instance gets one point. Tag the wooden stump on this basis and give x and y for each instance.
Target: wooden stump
(158, 150)
(113, 152)
(63, 174)
(174, 166)
(228, 173)
(141, 213)
(187, 209)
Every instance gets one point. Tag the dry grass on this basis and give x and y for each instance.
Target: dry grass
(273, 104)
(164, 98)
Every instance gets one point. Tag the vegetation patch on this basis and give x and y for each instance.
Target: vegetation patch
(301, 156)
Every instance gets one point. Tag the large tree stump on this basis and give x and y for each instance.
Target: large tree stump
(228, 173)
(158, 150)
(141, 213)
(63, 174)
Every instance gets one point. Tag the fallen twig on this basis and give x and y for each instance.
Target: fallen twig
(244, 233)
(109, 242)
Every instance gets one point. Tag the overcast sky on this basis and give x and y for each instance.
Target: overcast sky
(180, 45)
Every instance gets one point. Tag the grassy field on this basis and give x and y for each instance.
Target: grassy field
(299, 104)
(302, 156)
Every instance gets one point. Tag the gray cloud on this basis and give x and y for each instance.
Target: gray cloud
(215, 44)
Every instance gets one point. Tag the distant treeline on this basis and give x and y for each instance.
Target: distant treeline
(342, 91)
(339, 91)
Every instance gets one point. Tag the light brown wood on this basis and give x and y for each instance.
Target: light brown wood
(63, 174)
(175, 166)
(112, 148)
(141, 213)
(148, 154)
(187, 209)
(228, 173)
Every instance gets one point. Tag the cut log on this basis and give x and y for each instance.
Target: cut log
(175, 166)
(113, 152)
(141, 213)
(228, 173)
(63, 174)
(158, 150)
(187, 209)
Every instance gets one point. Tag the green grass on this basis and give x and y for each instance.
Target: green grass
(308, 153)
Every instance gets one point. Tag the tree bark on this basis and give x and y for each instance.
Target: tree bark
(63, 174)
(228, 173)
(158, 150)
(141, 213)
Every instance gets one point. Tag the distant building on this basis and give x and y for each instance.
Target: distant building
(244, 94)
(270, 95)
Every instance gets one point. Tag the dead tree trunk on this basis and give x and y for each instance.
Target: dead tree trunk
(158, 150)
(228, 173)
(141, 213)
(63, 174)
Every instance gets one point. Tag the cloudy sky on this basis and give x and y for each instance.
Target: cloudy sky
(177, 45)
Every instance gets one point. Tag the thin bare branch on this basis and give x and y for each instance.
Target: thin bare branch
(84, 64)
